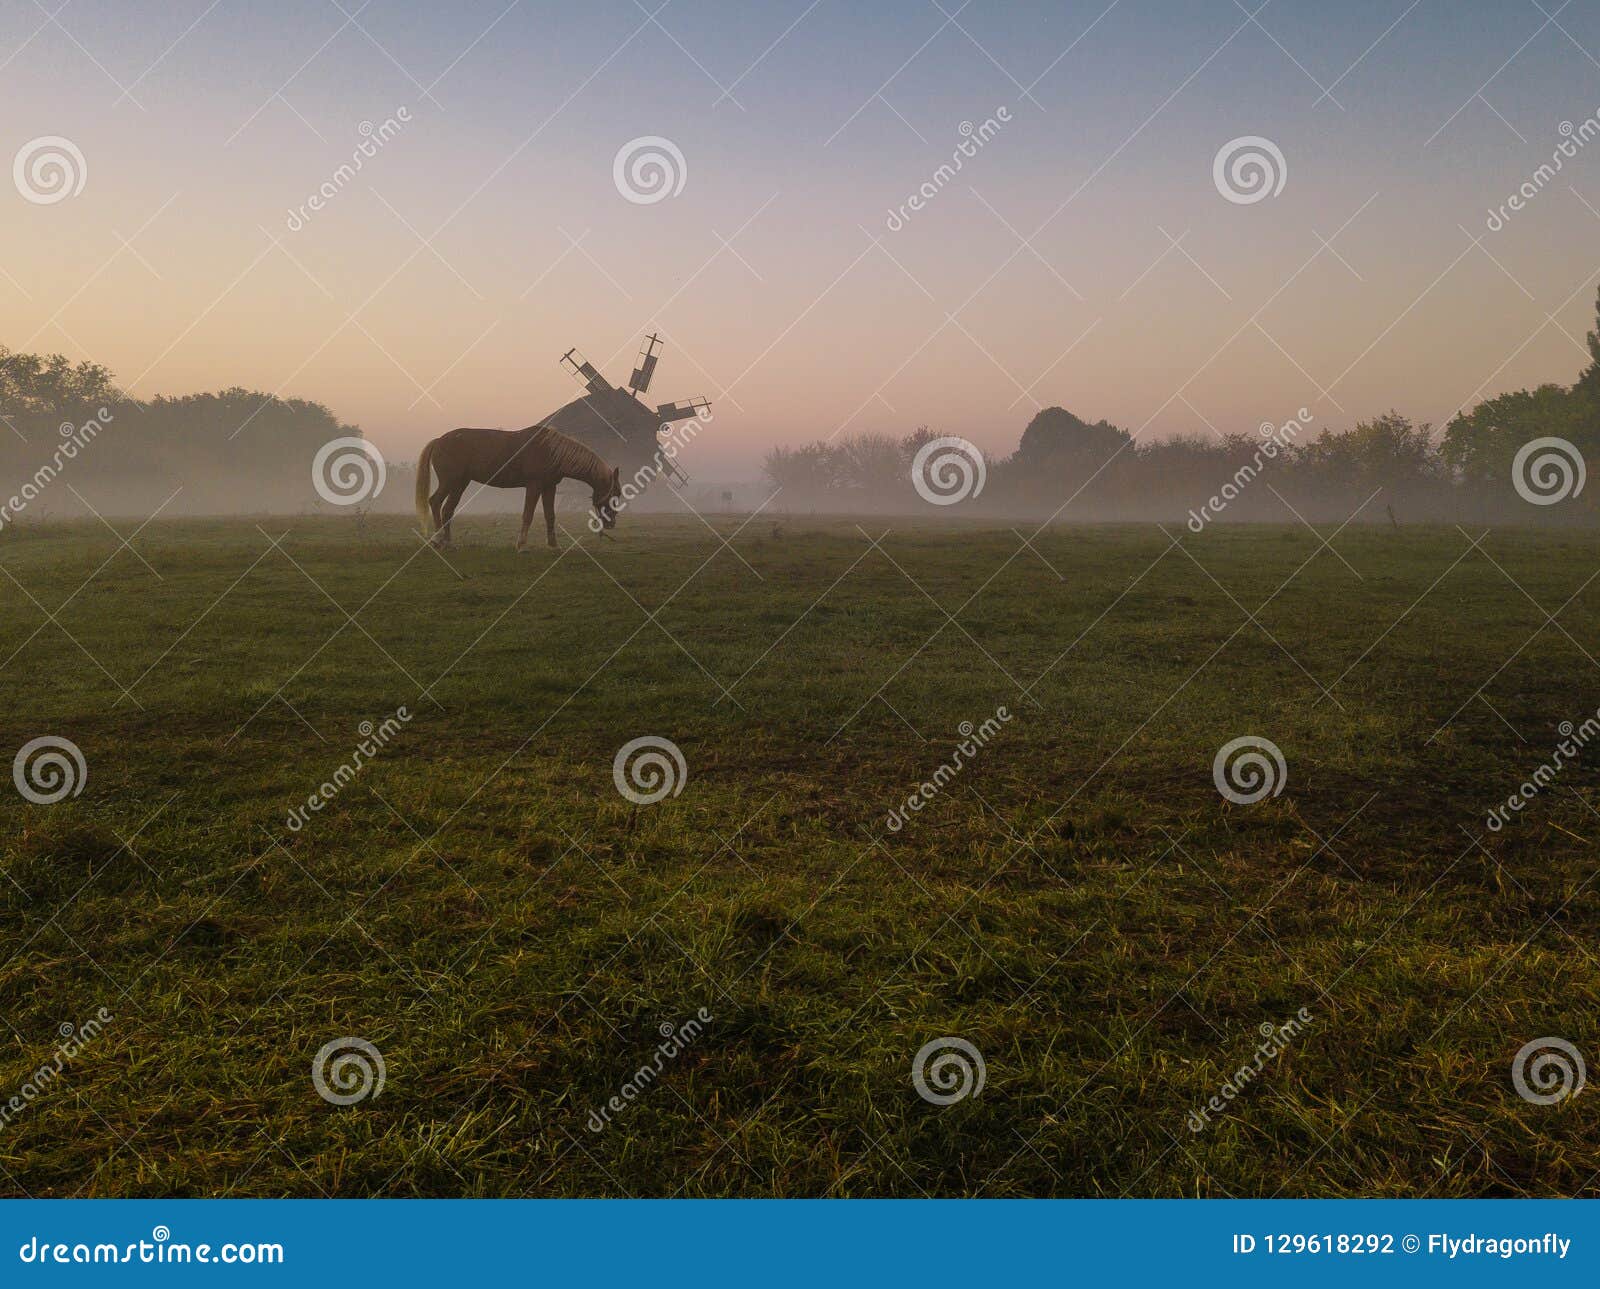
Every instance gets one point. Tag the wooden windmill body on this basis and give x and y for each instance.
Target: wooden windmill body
(618, 423)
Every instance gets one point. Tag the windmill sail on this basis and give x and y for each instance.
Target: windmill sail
(668, 412)
(585, 371)
(647, 364)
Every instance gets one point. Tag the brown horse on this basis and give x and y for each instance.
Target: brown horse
(537, 458)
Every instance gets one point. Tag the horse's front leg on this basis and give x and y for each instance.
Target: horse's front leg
(529, 501)
(549, 513)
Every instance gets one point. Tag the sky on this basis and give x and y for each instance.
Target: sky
(1085, 254)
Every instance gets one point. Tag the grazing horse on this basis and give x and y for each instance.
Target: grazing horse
(537, 458)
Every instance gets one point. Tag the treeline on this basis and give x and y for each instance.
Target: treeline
(233, 450)
(1385, 467)
(70, 439)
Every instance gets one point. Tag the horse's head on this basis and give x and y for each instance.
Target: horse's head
(606, 501)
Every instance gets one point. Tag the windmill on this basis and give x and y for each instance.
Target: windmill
(619, 424)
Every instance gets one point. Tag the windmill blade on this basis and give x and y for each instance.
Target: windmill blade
(585, 371)
(669, 412)
(640, 381)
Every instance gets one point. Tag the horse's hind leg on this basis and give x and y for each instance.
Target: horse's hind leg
(436, 503)
(448, 511)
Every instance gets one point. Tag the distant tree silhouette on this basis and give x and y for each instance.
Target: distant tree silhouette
(861, 466)
(1588, 385)
(1099, 471)
(233, 445)
(1480, 445)
(801, 472)
(1055, 433)
(1388, 451)
(34, 384)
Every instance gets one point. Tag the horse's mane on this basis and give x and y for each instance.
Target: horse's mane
(571, 458)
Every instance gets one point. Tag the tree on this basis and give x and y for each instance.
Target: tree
(1589, 380)
(218, 446)
(800, 472)
(1389, 451)
(1480, 445)
(53, 384)
(1055, 433)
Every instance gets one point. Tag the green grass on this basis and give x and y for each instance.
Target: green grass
(1080, 902)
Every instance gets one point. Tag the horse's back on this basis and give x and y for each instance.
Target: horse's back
(471, 436)
(485, 455)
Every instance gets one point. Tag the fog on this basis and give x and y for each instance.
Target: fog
(76, 446)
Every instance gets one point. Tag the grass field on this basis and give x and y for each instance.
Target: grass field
(1079, 903)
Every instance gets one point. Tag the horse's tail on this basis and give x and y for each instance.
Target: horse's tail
(424, 482)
